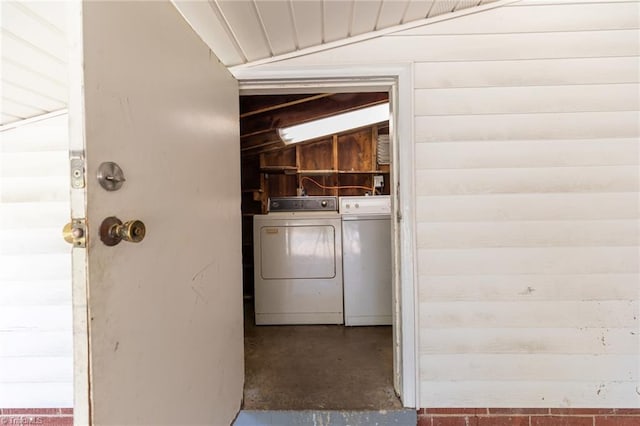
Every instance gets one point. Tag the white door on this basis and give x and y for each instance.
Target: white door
(165, 327)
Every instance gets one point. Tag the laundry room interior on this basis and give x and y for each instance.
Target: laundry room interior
(317, 251)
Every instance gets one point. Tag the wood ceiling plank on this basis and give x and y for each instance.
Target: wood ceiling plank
(19, 109)
(243, 20)
(307, 19)
(463, 4)
(391, 13)
(8, 118)
(212, 29)
(337, 19)
(365, 16)
(417, 9)
(30, 97)
(53, 13)
(33, 29)
(21, 52)
(35, 80)
(278, 25)
(17, 52)
(442, 6)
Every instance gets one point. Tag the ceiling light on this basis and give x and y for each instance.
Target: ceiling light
(335, 124)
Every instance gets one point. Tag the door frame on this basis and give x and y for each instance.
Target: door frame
(397, 80)
(81, 326)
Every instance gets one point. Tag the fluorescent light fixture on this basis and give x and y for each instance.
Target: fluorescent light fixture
(335, 124)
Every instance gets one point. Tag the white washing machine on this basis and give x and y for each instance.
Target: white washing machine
(298, 262)
(366, 256)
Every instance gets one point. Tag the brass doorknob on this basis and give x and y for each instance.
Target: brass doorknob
(67, 233)
(74, 232)
(112, 231)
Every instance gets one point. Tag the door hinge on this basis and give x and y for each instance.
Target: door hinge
(77, 171)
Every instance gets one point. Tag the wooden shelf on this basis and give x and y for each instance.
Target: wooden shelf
(292, 170)
(278, 169)
(342, 172)
(316, 172)
(363, 172)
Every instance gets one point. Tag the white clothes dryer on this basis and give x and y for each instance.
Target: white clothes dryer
(298, 264)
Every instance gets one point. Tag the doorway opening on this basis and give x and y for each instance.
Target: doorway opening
(315, 362)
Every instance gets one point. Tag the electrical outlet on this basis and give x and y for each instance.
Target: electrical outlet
(378, 181)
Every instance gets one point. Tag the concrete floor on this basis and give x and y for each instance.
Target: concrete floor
(319, 367)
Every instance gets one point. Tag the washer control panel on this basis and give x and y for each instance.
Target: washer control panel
(379, 204)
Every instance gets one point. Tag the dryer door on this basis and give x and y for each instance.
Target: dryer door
(298, 252)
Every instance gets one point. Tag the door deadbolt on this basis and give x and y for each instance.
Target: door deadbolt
(110, 176)
(112, 231)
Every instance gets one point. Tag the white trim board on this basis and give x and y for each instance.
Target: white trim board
(81, 324)
(31, 120)
(398, 80)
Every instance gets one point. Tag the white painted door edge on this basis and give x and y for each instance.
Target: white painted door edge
(399, 80)
(81, 395)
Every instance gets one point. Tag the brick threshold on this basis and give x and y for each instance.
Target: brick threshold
(37, 416)
(425, 416)
(528, 417)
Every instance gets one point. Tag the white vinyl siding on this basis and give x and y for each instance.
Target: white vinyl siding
(36, 356)
(526, 165)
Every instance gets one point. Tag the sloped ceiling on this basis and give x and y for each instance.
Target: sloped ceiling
(34, 37)
(34, 59)
(244, 31)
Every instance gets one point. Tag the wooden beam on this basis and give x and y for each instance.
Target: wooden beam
(257, 104)
(374, 147)
(334, 165)
(318, 108)
(256, 141)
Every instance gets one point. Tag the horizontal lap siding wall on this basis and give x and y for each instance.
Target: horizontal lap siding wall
(36, 355)
(526, 140)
